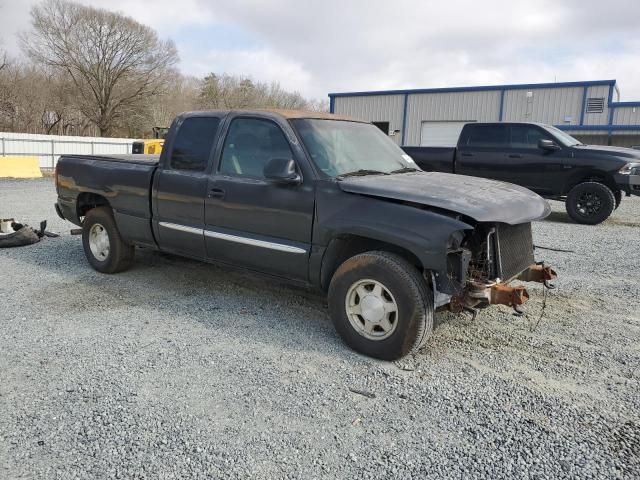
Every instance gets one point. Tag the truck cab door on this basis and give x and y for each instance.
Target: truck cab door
(538, 169)
(481, 150)
(180, 186)
(249, 220)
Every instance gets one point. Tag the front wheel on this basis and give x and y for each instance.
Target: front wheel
(380, 305)
(103, 246)
(590, 203)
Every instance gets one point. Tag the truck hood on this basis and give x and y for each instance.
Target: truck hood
(478, 198)
(622, 153)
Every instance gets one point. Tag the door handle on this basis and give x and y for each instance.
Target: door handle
(515, 155)
(467, 154)
(216, 193)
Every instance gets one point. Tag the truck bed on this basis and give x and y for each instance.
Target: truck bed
(125, 180)
(124, 158)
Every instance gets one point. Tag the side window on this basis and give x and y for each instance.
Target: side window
(193, 143)
(487, 136)
(524, 136)
(250, 144)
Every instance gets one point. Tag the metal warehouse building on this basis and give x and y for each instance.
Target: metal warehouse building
(591, 111)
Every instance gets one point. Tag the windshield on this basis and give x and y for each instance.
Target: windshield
(564, 138)
(340, 147)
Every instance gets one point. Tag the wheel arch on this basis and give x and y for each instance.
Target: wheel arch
(347, 245)
(88, 200)
(599, 176)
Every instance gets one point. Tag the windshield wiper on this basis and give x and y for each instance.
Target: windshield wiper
(361, 173)
(405, 170)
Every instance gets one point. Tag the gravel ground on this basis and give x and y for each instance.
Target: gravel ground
(177, 369)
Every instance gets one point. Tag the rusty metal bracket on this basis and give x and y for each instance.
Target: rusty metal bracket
(538, 273)
(506, 295)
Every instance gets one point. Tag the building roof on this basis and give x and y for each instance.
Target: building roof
(522, 86)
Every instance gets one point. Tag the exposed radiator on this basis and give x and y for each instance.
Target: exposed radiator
(514, 246)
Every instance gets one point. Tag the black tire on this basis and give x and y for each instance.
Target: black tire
(411, 293)
(590, 203)
(618, 196)
(120, 253)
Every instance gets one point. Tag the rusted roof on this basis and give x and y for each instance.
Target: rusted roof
(307, 114)
(288, 114)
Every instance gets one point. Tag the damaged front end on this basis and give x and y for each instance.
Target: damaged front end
(482, 264)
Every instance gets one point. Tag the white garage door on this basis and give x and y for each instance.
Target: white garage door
(441, 134)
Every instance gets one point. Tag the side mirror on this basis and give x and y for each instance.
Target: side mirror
(548, 145)
(282, 170)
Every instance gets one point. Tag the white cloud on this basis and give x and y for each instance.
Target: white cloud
(165, 16)
(263, 65)
(319, 46)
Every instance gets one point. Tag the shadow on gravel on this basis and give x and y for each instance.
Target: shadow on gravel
(620, 223)
(245, 305)
(559, 217)
(562, 217)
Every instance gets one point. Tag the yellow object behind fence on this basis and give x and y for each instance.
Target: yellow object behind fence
(20, 167)
(153, 147)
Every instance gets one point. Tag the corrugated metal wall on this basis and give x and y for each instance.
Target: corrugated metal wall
(561, 105)
(546, 105)
(375, 108)
(49, 147)
(626, 116)
(618, 139)
(455, 106)
(598, 91)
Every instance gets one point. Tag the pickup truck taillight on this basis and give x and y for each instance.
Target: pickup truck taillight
(55, 174)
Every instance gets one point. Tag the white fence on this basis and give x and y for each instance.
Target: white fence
(48, 148)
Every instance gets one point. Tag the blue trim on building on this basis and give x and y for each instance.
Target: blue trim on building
(584, 104)
(523, 86)
(604, 128)
(404, 118)
(612, 110)
(611, 105)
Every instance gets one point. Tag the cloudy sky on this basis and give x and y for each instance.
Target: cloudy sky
(321, 46)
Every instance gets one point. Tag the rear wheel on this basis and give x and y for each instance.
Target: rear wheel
(590, 203)
(103, 246)
(380, 305)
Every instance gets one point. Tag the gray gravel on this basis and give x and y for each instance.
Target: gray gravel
(177, 369)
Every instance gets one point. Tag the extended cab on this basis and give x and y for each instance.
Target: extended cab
(590, 179)
(316, 199)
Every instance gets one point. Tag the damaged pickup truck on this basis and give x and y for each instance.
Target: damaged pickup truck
(316, 199)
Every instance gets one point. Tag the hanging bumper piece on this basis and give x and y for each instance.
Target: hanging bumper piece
(480, 294)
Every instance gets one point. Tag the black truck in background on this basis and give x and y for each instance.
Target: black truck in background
(315, 199)
(589, 179)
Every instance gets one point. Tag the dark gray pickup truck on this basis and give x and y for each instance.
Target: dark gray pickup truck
(590, 179)
(318, 200)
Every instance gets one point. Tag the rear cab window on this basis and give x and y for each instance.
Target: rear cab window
(485, 136)
(193, 143)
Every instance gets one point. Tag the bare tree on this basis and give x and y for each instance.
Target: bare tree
(114, 62)
(230, 91)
